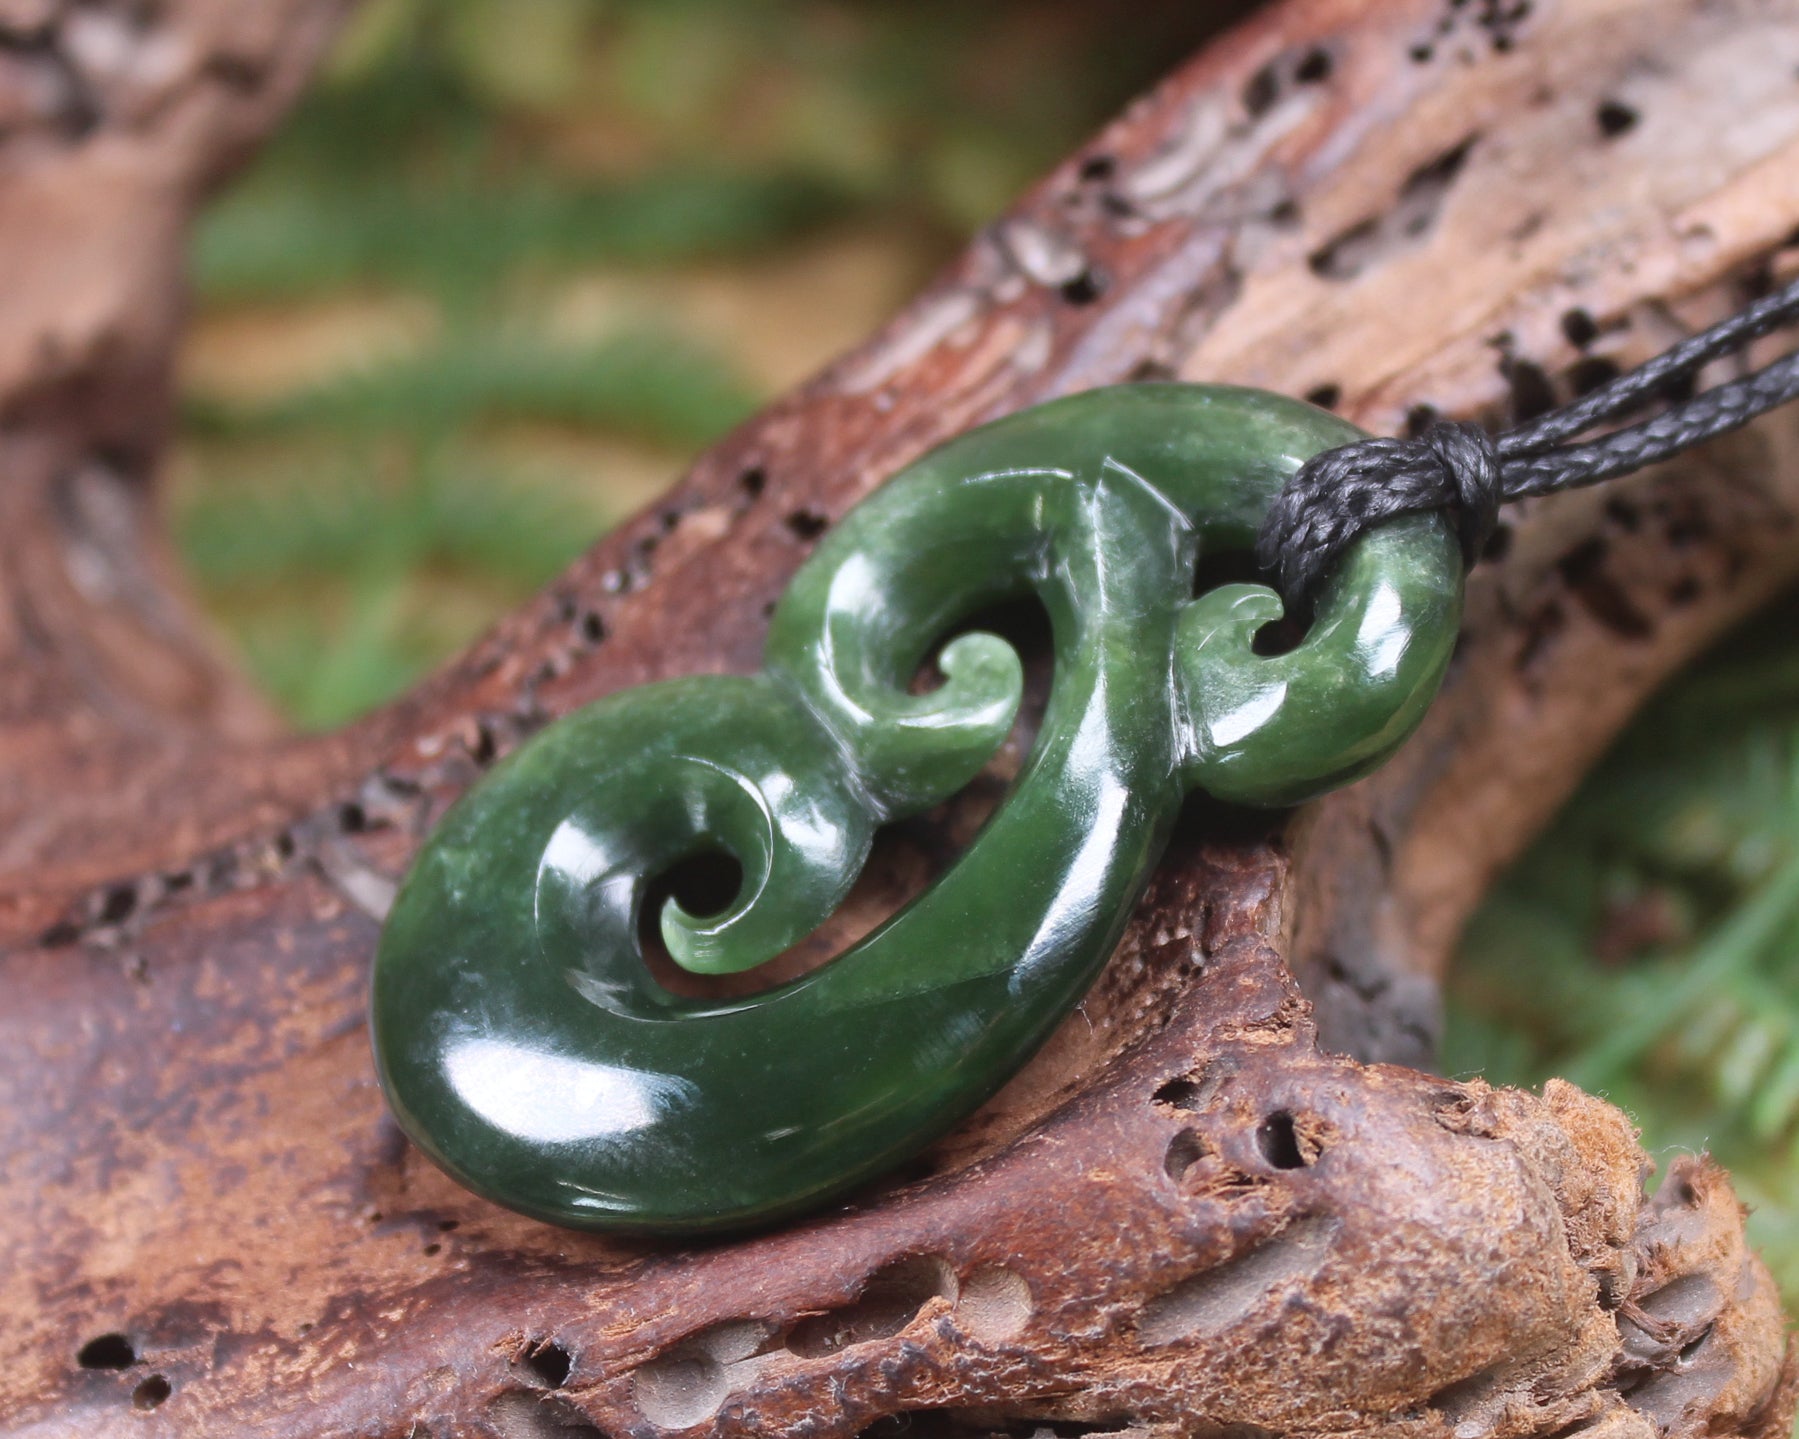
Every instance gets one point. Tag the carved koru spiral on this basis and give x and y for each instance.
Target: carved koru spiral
(524, 1043)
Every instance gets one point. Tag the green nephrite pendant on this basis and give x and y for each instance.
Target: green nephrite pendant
(522, 1041)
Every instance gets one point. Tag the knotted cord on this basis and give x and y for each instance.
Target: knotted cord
(1463, 469)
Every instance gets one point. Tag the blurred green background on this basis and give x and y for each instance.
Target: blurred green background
(511, 264)
(1648, 945)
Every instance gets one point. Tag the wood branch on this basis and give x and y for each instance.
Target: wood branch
(1187, 1216)
(114, 122)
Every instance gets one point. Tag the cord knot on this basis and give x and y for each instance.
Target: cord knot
(1337, 494)
(1469, 460)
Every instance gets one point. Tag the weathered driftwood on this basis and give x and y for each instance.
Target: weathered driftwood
(1186, 1217)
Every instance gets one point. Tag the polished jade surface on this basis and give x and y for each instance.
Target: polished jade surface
(521, 1038)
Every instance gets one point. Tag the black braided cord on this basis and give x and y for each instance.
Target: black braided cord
(1461, 468)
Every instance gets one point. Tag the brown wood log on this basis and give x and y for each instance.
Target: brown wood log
(1188, 1216)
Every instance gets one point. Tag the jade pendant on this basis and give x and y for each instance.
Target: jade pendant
(521, 1039)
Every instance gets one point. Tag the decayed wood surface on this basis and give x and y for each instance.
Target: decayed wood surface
(1187, 1216)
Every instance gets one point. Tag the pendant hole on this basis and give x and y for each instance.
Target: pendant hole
(908, 855)
(1022, 623)
(1279, 637)
(703, 884)
(1239, 567)
(1227, 567)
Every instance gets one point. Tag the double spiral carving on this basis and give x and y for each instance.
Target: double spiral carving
(524, 1043)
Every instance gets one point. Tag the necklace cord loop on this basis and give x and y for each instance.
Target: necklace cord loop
(1454, 466)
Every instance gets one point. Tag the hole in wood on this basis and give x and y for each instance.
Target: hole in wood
(107, 1351)
(1220, 1297)
(1085, 287)
(1690, 1350)
(1184, 1151)
(1466, 1398)
(1590, 372)
(691, 1381)
(1412, 216)
(1263, 89)
(891, 1299)
(1286, 215)
(150, 1394)
(1532, 394)
(1315, 68)
(1346, 255)
(1419, 418)
(995, 1303)
(539, 1416)
(679, 1390)
(1278, 1140)
(1579, 328)
(1182, 1094)
(1624, 515)
(1584, 570)
(547, 1363)
(60, 935)
(120, 901)
(1615, 118)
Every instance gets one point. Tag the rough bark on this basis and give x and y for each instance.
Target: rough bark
(1187, 1216)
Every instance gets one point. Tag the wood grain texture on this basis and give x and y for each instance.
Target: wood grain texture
(1188, 1216)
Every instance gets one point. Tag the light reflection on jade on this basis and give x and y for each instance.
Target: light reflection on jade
(521, 1039)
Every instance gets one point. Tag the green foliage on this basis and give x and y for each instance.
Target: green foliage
(659, 387)
(327, 517)
(347, 573)
(353, 529)
(457, 141)
(478, 157)
(1648, 946)
(284, 238)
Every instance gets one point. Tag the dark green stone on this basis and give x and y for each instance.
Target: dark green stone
(521, 1039)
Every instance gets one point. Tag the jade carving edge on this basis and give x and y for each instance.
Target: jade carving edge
(520, 1037)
